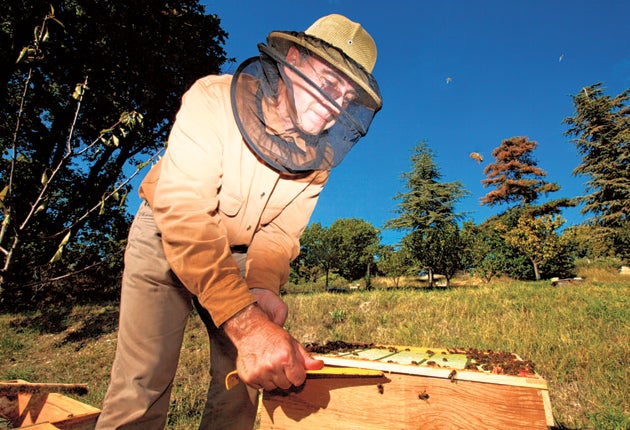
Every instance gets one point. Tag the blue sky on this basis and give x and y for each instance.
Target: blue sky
(513, 65)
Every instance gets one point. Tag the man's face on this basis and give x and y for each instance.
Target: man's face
(314, 113)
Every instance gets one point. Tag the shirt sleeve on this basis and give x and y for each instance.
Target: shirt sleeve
(278, 242)
(185, 205)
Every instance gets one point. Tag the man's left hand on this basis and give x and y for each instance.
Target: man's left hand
(272, 305)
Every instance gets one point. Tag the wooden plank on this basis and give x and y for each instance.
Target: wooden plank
(404, 402)
(55, 408)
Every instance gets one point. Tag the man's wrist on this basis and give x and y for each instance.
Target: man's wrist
(243, 322)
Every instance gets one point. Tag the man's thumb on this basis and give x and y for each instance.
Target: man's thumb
(310, 363)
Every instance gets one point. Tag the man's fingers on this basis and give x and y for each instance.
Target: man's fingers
(281, 314)
(295, 375)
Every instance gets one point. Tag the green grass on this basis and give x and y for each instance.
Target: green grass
(577, 334)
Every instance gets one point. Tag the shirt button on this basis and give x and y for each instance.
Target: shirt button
(262, 194)
(249, 227)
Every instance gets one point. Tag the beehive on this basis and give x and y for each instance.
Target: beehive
(426, 388)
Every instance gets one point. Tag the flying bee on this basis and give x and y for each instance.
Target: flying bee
(380, 388)
(453, 375)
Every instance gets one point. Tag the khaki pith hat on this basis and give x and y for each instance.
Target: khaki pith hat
(354, 52)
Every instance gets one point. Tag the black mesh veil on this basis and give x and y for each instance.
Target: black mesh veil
(254, 92)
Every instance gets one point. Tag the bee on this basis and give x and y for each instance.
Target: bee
(453, 375)
(380, 388)
(424, 395)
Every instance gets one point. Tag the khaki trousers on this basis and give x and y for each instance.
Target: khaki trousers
(154, 310)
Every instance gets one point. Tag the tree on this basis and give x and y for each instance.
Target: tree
(517, 179)
(317, 255)
(120, 61)
(347, 247)
(482, 246)
(396, 263)
(592, 240)
(450, 257)
(356, 242)
(426, 209)
(601, 127)
(536, 238)
(515, 175)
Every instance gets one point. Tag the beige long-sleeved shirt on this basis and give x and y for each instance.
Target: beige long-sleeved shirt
(210, 192)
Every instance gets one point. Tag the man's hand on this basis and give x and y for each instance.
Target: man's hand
(268, 356)
(272, 305)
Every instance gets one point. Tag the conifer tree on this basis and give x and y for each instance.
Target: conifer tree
(601, 130)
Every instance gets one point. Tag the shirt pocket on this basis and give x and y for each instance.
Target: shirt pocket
(230, 205)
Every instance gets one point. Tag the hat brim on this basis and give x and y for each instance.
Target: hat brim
(281, 40)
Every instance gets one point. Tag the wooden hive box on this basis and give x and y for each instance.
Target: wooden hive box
(35, 407)
(420, 388)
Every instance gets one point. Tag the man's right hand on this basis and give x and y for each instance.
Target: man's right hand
(268, 356)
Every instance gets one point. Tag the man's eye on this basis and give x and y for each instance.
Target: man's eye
(349, 98)
(329, 86)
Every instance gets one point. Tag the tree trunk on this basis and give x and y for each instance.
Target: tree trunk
(536, 272)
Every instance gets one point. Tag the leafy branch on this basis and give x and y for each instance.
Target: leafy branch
(109, 137)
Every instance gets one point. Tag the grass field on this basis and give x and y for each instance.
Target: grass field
(577, 334)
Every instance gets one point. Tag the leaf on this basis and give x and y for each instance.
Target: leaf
(122, 200)
(44, 179)
(41, 207)
(23, 53)
(3, 195)
(142, 165)
(125, 118)
(78, 92)
(58, 22)
(57, 255)
(66, 238)
(63, 243)
(102, 210)
(115, 140)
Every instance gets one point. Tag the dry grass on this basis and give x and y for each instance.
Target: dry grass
(577, 334)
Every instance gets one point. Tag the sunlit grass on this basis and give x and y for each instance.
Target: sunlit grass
(577, 334)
